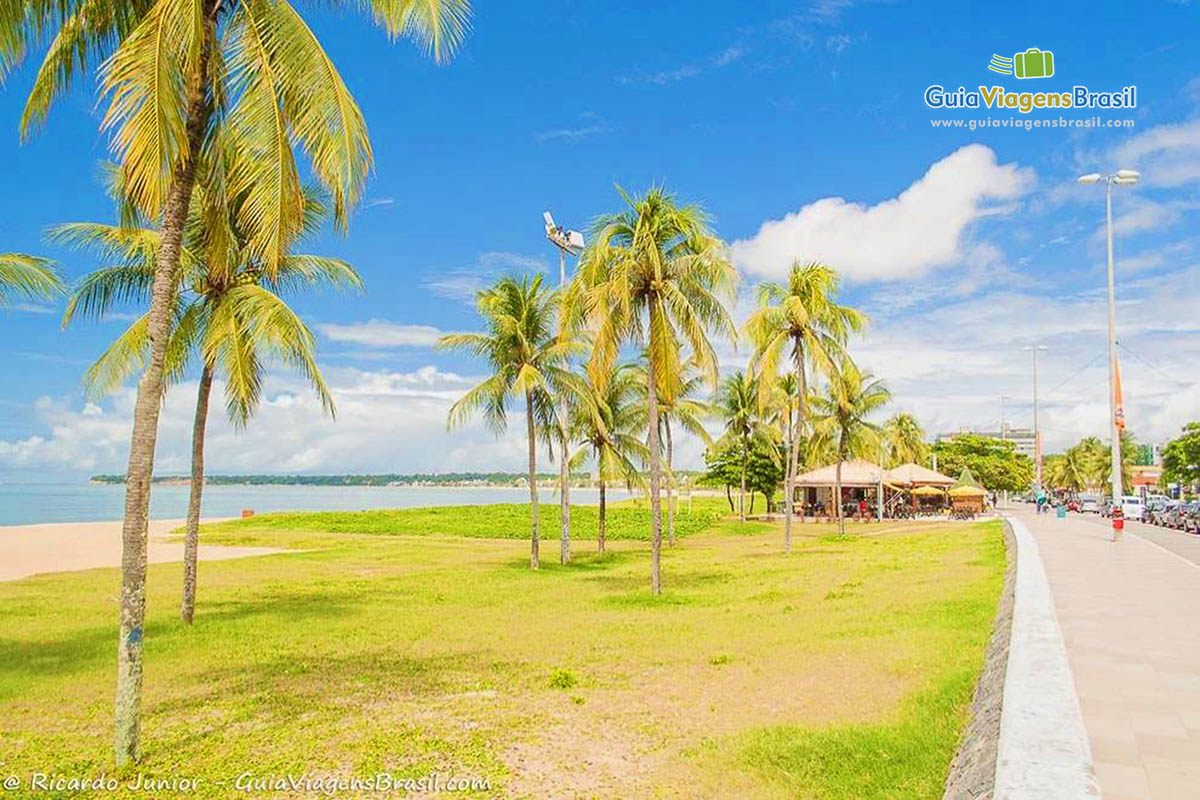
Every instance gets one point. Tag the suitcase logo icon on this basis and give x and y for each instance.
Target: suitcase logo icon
(1033, 63)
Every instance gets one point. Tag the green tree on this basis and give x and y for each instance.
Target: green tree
(1077, 469)
(1129, 458)
(185, 80)
(28, 277)
(229, 310)
(904, 441)
(654, 274)
(802, 317)
(728, 464)
(843, 419)
(528, 359)
(995, 463)
(1181, 456)
(607, 422)
(737, 405)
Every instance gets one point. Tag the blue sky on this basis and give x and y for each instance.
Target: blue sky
(962, 245)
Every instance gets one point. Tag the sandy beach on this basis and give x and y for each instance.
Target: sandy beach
(67, 546)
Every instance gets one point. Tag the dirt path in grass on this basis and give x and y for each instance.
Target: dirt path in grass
(67, 546)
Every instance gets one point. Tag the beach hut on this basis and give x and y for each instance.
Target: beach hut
(861, 480)
(925, 488)
(966, 495)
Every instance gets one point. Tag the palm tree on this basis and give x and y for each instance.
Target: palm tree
(232, 313)
(27, 276)
(654, 274)
(185, 81)
(904, 440)
(802, 315)
(842, 419)
(737, 404)
(607, 423)
(527, 359)
(684, 411)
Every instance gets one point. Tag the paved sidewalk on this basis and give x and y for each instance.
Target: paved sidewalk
(1130, 618)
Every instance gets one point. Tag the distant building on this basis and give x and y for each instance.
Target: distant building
(1022, 438)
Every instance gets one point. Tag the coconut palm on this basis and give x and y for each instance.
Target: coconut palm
(607, 422)
(737, 404)
(528, 359)
(27, 276)
(232, 313)
(842, 419)
(803, 321)
(684, 411)
(183, 81)
(654, 274)
(904, 440)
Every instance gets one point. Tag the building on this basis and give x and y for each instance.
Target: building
(1022, 438)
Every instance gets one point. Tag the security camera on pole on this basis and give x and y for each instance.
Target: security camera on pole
(567, 241)
(1122, 177)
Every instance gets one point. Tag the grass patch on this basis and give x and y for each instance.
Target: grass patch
(414, 654)
(625, 521)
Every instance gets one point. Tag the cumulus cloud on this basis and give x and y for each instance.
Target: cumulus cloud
(921, 229)
(386, 422)
(381, 333)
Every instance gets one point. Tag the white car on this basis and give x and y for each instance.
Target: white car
(1133, 507)
(1089, 505)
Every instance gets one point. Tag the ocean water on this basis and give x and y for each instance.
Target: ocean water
(29, 503)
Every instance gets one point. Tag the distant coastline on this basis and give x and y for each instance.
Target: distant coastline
(444, 480)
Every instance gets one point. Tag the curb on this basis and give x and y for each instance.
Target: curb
(1043, 751)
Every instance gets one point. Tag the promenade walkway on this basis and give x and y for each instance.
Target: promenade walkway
(1130, 618)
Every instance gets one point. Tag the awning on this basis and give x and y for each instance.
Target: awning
(928, 491)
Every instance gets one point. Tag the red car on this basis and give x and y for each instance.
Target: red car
(1073, 505)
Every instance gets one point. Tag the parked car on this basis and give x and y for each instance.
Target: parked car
(1189, 517)
(1158, 510)
(1133, 507)
(1177, 516)
(1089, 504)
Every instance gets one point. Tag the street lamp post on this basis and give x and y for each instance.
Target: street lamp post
(567, 241)
(1037, 431)
(1122, 177)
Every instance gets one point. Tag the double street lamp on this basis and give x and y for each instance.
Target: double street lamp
(1122, 177)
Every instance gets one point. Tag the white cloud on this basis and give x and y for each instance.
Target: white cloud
(921, 229)
(462, 283)
(381, 333)
(1167, 155)
(386, 422)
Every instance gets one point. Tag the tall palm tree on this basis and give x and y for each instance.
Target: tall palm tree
(684, 411)
(804, 317)
(232, 313)
(654, 274)
(528, 359)
(607, 423)
(904, 440)
(737, 405)
(27, 276)
(185, 80)
(843, 419)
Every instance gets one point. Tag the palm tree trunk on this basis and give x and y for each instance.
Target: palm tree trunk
(729, 498)
(146, 409)
(655, 468)
(742, 492)
(801, 415)
(191, 539)
(787, 484)
(533, 489)
(603, 510)
(670, 484)
(564, 539)
(837, 479)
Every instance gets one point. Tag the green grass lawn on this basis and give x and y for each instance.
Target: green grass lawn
(840, 671)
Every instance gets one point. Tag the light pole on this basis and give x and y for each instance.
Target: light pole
(1004, 438)
(1122, 177)
(567, 241)
(1037, 431)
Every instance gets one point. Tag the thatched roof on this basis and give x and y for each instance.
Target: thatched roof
(857, 472)
(965, 478)
(916, 475)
